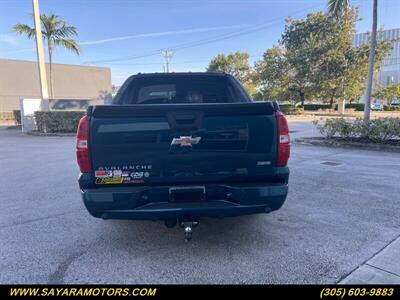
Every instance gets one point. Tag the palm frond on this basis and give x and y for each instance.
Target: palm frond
(65, 30)
(50, 23)
(69, 44)
(24, 29)
(56, 31)
(337, 8)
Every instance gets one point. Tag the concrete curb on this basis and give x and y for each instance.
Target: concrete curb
(36, 133)
(381, 268)
(346, 144)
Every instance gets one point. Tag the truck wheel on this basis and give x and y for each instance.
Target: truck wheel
(170, 223)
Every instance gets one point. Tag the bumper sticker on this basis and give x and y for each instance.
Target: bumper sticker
(137, 175)
(109, 180)
(117, 173)
(103, 174)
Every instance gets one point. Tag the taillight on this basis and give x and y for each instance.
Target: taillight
(82, 145)
(283, 140)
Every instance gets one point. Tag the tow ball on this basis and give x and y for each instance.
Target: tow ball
(188, 228)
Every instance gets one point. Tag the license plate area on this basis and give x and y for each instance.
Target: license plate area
(187, 194)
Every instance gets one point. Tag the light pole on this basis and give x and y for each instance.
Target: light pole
(44, 103)
(371, 59)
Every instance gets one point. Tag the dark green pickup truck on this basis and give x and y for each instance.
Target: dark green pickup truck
(180, 146)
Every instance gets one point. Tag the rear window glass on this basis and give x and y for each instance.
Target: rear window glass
(180, 89)
(162, 93)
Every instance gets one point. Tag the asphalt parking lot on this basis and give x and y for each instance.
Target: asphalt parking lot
(343, 207)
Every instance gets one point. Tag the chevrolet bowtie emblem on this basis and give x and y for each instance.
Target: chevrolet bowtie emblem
(185, 141)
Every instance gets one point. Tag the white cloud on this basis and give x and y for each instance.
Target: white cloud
(155, 34)
(11, 40)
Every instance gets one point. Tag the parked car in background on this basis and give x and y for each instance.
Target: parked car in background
(376, 106)
(395, 102)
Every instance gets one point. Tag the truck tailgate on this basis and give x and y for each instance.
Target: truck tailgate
(182, 143)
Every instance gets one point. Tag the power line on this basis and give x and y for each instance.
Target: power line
(254, 55)
(185, 45)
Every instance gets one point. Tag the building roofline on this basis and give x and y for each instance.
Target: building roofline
(61, 64)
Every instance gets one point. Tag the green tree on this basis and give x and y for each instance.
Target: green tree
(343, 68)
(236, 64)
(316, 60)
(57, 33)
(388, 93)
(291, 69)
(338, 9)
(272, 75)
(304, 43)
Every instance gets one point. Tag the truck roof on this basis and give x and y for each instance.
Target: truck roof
(180, 74)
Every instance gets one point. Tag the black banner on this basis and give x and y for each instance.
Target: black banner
(188, 291)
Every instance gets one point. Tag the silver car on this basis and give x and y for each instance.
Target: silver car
(376, 106)
(395, 102)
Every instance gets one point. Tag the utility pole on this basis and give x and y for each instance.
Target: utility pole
(44, 103)
(371, 60)
(167, 53)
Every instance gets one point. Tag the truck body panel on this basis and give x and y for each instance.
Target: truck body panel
(181, 160)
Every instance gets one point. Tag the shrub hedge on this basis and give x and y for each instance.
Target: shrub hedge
(17, 116)
(391, 108)
(379, 130)
(289, 109)
(57, 121)
(356, 106)
(316, 106)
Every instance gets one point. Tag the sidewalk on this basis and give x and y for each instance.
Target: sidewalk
(382, 268)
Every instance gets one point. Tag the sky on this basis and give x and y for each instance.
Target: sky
(128, 35)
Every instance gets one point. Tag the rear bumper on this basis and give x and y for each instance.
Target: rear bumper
(154, 203)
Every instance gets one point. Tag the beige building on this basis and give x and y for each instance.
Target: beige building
(74, 86)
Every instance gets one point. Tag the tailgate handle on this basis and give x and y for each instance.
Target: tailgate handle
(182, 120)
(185, 119)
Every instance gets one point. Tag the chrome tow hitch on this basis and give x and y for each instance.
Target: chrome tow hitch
(188, 228)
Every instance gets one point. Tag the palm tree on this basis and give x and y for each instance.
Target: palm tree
(339, 7)
(57, 33)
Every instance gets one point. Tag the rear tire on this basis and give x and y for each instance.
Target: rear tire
(170, 223)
